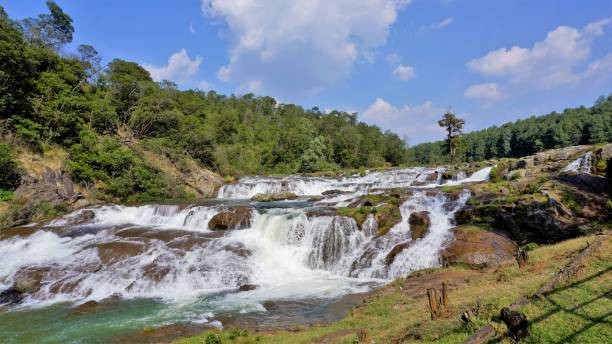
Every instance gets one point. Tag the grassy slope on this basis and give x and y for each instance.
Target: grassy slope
(398, 312)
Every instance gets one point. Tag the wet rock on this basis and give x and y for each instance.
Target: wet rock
(8, 233)
(419, 224)
(10, 296)
(281, 196)
(315, 198)
(394, 252)
(239, 250)
(517, 323)
(26, 286)
(270, 305)
(155, 272)
(88, 307)
(478, 248)
(334, 192)
(606, 152)
(233, 218)
(247, 287)
(111, 252)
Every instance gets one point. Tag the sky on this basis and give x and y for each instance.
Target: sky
(398, 63)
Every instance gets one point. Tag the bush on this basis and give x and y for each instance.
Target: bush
(212, 338)
(10, 171)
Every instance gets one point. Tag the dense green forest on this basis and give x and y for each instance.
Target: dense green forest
(524, 137)
(51, 97)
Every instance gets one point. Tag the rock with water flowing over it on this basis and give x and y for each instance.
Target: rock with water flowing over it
(478, 248)
(234, 218)
(271, 197)
(10, 296)
(419, 224)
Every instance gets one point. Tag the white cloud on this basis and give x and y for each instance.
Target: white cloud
(446, 22)
(252, 86)
(596, 28)
(404, 73)
(549, 63)
(179, 68)
(300, 45)
(418, 122)
(488, 92)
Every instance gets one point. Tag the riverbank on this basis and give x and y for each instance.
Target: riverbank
(398, 313)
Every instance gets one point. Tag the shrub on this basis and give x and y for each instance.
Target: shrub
(212, 338)
(10, 171)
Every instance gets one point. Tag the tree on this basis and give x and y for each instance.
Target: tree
(53, 30)
(454, 128)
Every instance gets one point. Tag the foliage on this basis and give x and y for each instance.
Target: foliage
(454, 128)
(10, 171)
(575, 126)
(6, 195)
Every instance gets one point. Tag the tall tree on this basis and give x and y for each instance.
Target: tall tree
(454, 128)
(53, 30)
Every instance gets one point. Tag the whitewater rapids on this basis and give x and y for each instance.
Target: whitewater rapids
(291, 251)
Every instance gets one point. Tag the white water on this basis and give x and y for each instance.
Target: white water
(168, 252)
(581, 165)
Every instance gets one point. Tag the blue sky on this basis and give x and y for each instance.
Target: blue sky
(398, 63)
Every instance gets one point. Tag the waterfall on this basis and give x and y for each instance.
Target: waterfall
(581, 165)
(292, 251)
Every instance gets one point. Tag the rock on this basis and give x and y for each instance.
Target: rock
(26, 286)
(394, 252)
(605, 153)
(334, 192)
(281, 196)
(518, 326)
(247, 287)
(10, 296)
(86, 307)
(315, 198)
(419, 224)
(478, 248)
(111, 252)
(233, 218)
(269, 305)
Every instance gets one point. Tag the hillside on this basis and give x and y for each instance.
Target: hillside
(574, 126)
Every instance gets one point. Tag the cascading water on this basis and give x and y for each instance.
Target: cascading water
(168, 253)
(581, 165)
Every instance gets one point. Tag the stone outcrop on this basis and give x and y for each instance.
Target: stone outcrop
(478, 248)
(281, 196)
(419, 224)
(232, 218)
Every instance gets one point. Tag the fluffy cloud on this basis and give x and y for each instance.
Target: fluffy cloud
(291, 46)
(417, 122)
(550, 63)
(488, 92)
(404, 73)
(179, 68)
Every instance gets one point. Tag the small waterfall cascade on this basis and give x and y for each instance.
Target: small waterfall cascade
(292, 251)
(582, 165)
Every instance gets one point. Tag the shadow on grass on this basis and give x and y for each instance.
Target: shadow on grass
(575, 310)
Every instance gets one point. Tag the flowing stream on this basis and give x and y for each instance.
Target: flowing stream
(158, 264)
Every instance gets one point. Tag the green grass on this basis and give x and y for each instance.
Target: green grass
(389, 315)
(6, 195)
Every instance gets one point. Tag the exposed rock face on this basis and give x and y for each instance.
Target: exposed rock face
(390, 258)
(247, 287)
(10, 296)
(419, 224)
(111, 252)
(53, 188)
(18, 291)
(478, 248)
(233, 218)
(274, 197)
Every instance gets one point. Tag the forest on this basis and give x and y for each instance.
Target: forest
(575, 126)
(49, 97)
(53, 98)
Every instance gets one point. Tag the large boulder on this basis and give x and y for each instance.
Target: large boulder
(478, 248)
(419, 224)
(281, 196)
(232, 218)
